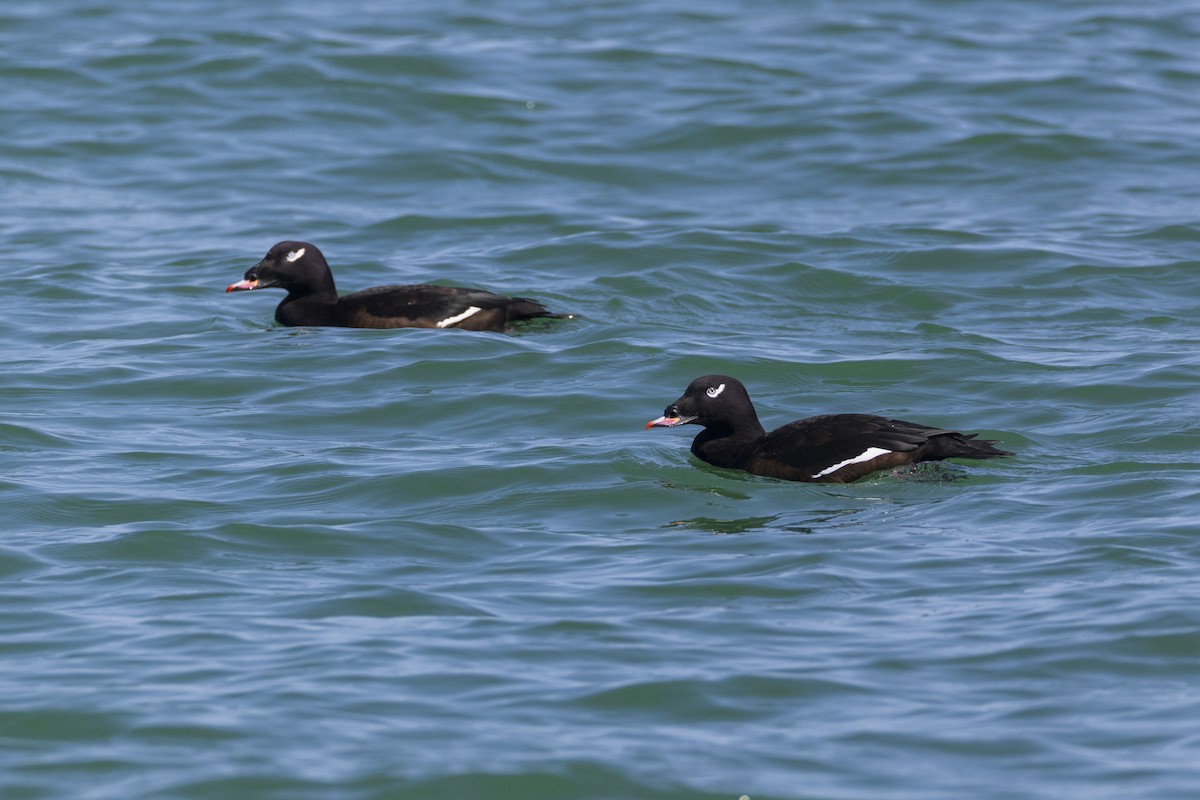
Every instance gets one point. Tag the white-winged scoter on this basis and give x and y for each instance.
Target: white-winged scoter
(833, 448)
(300, 269)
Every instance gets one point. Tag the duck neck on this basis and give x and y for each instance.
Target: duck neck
(748, 427)
(744, 428)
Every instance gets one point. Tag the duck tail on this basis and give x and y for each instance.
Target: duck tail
(953, 444)
(522, 308)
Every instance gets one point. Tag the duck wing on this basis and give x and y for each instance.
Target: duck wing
(427, 306)
(839, 448)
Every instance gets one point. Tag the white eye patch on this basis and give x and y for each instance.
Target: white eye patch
(295, 254)
(715, 392)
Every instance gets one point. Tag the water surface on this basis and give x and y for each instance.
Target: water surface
(246, 561)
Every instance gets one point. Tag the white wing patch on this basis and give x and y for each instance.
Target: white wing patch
(866, 455)
(448, 321)
(711, 392)
(295, 254)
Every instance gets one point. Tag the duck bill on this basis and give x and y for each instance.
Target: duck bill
(241, 286)
(668, 422)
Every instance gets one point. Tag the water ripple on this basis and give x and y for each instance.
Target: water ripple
(250, 561)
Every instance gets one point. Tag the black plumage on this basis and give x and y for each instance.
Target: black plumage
(833, 448)
(300, 269)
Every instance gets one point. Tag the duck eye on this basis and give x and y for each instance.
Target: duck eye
(295, 254)
(715, 391)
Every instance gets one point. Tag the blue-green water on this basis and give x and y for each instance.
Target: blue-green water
(240, 561)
